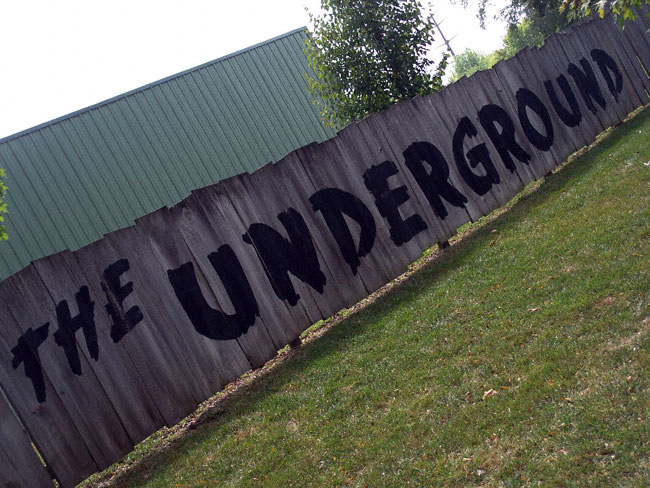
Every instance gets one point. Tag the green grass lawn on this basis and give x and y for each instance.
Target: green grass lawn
(518, 357)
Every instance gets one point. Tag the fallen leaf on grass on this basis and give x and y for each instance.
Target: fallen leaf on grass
(488, 393)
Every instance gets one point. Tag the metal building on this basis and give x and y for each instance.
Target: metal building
(80, 176)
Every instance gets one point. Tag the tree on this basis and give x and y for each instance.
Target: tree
(3, 206)
(531, 31)
(369, 54)
(516, 10)
(528, 32)
(622, 10)
(469, 62)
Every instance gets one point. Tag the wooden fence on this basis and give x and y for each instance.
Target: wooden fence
(102, 346)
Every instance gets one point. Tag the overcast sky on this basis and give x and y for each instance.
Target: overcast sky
(61, 56)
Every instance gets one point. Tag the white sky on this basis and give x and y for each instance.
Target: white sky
(61, 56)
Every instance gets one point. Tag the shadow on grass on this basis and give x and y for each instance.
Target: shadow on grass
(335, 340)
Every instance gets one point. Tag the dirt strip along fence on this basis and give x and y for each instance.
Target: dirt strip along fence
(102, 346)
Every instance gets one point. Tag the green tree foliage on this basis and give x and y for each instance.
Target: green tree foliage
(527, 32)
(469, 62)
(3, 206)
(621, 9)
(516, 10)
(369, 54)
(531, 31)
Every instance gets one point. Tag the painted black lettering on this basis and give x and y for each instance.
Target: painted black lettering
(608, 67)
(123, 322)
(26, 352)
(388, 201)
(479, 154)
(334, 203)
(207, 321)
(435, 183)
(587, 84)
(280, 256)
(527, 99)
(66, 337)
(503, 139)
(571, 117)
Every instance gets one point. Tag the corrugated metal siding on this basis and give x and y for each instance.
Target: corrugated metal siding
(94, 171)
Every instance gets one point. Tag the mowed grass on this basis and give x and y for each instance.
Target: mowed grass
(518, 357)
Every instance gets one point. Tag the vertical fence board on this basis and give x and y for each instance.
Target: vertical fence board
(203, 240)
(498, 93)
(491, 93)
(345, 287)
(113, 367)
(555, 65)
(283, 179)
(405, 132)
(513, 76)
(439, 132)
(329, 165)
(50, 424)
(533, 61)
(382, 131)
(592, 121)
(258, 202)
(19, 464)
(149, 346)
(633, 93)
(615, 111)
(283, 323)
(372, 152)
(443, 114)
(620, 43)
(200, 365)
(229, 356)
(83, 396)
(238, 189)
(640, 38)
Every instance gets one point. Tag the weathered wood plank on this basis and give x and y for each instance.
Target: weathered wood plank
(148, 344)
(485, 92)
(532, 62)
(109, 361)
(19, 464)
(411, 143)
(283, 323)
(639, 35)
(444, 114)
(513, 76)
(633, 94)
(613, 112)
(233, 356)
(619, 41)
(294, 190)
(259, 206)
(555, 67)
(334, 164)
(500, 94)
(345, 287)
(327, 300)
(410, 225)
(212, 254)
(593, 116)
(80, 391)
(49, 422)
(155, 248)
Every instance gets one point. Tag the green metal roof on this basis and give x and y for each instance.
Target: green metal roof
(78, 177)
